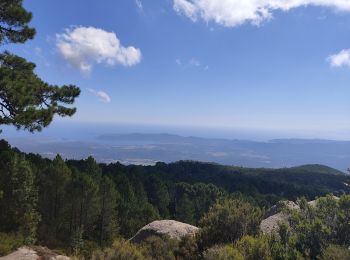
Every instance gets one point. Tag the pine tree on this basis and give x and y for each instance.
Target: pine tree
(53, 199)
(15, 22)
(18, 208)
(26, 101)
(158, 195)
(83, 204)
(185, 210)
(107, 219)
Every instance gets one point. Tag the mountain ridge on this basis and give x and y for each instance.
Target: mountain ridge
(147, 149)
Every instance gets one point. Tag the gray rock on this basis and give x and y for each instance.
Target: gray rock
(270, 225)
(284, 204)
(164, 228)
(275, 216)
(34, 253)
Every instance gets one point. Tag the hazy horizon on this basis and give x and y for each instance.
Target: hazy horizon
(146, 145)
(78, 130)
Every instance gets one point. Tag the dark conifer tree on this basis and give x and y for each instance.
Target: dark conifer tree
(14, 22)
(53, 197)
(25, 100)
(107, 224)
(18, 206)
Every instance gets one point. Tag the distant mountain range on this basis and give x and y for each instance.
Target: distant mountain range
(147, 149)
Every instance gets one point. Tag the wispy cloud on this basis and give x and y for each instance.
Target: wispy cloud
(39, 53)
(192, 63)
(341, 59)
(139, 5)
(82, 47)
(231, 13)
(101, 95)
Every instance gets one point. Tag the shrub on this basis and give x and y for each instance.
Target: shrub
(228, 221)
(254, 248)
(188, 248)
(226, 252)
(88, 248)
(160, 248)
(283, 244)
(10, 242)
(335, 252)
(121, 250)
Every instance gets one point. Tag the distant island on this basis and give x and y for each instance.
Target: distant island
(148, 149)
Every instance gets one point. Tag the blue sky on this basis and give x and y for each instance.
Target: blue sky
(203, 63)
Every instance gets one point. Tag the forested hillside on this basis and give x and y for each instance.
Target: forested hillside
(81, 205)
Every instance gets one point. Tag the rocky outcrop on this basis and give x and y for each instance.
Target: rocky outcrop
(34, 253)
(275, 216)
(164, 228)
(313, 203)
(285, 204)
(270, 225)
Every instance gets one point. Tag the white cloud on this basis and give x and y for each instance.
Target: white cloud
(341, 59)
(187, 8)
(231, 13)
(192, 63)
(101, 95)
(139, 4)
(83, 47)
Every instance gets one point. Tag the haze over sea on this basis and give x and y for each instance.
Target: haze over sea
(87, 131)
(148, 144)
